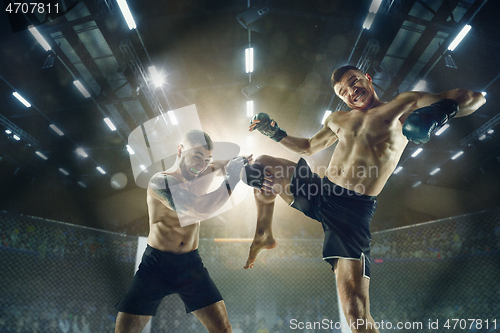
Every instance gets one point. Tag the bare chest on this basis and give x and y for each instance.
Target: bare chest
(357, 125)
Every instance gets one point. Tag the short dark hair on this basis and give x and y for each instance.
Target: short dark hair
(339, 72)
(196, 136)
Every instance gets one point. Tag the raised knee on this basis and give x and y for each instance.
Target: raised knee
(266, 160)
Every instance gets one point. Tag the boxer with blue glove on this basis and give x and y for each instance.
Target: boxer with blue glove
(371, 138)
(422, 123)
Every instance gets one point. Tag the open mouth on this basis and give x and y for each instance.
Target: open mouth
(193, 170)
(359, 96)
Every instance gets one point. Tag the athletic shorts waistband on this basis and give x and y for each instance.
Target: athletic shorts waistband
(172, 257)
(346, 192)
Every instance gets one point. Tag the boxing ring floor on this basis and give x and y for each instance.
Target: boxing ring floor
(442, 274)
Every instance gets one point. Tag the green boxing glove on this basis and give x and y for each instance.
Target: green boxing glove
(265, 127)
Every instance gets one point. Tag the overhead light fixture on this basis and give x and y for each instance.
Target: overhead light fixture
(130, 150)
(327, 113)
(368, 21)
(371, 14)
(41, 155)
(21, 99)
(442, 129)
(39, 38)
(127, 14)
(110, 124)
(417, 184)
(249, 59)
(82, 184)
(81, 152)
(64, 172)
(57, 130)
(457, 155)
(101, 170)
(490, 131)
(398, 170)
(155, 76)
(252, 88)
(484, 93)
(171, 116)
(420, 86)
(482, 137)
(8, 131)
(16, 137)
(459, 38)
(82, 89)
(418, 151)
(433, 172)
(142, 167)
(249, 108)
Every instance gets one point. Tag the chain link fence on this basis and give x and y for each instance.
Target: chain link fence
(58, 277)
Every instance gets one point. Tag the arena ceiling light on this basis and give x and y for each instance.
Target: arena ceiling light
(327, 113)
(110, 124)
(433, 172)
(82, 184)
(130, 150)
(442, 129)
(249, 59)
(16, 137)
(8, 131)
(459, 38)
(127, 14)
(484, 93)
(101, 170)
(371, 14)
(398, 170)
(41, 155)
(64, 172)
(155, 76)
(142, 167)
(418, 151)
(81, 152)
(249, 108)
(417, 184)
(21, 99)
(457, 155)
(39, 38)
(82, 89)
(57, 130)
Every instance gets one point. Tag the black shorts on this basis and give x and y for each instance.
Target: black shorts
(163, 273)
(345, 215)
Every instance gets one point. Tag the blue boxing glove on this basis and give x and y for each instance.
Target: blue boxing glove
(264, 126)
(423, 122)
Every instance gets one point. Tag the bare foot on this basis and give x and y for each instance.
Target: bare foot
(260, 243)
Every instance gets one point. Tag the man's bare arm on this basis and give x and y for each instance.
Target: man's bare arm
(323, 139)
(468, 101)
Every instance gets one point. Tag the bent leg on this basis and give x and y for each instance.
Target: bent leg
(279, 172)
(129, 323)
(353, 290)
(214, 318)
